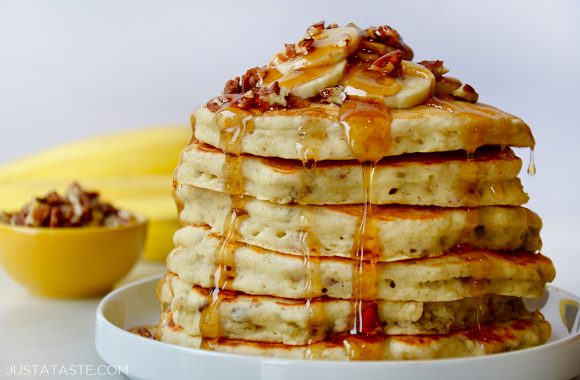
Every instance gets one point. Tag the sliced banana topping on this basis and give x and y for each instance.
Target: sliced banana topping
(327, 47)
(331, 64)
(308, 82)
(412, 88)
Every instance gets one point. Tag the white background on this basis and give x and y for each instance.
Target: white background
(71, 69)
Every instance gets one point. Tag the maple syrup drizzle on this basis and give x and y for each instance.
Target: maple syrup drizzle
(480, 120)
(531, 163)
(367, 128)
(369, 84)
(479, 267)
(317, 317)
(313, 287)
(234, 124)
(365, 260)
(301, 76)
(310, 138)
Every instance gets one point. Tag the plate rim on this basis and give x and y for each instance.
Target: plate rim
(101, 319)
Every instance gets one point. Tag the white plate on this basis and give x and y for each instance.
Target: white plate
(145, 359)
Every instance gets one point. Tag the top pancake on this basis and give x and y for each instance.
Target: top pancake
(316, 133)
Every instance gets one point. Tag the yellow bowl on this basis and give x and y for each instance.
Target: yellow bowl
(70, 262)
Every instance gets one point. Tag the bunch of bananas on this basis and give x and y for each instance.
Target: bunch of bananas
(133, 170)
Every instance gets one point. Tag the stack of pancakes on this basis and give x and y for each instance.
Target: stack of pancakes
(344, 202)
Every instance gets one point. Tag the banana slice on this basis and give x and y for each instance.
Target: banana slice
(411, 89)
(306, 83)
(330, 46)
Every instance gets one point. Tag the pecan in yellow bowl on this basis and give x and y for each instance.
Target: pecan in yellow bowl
(70, 246)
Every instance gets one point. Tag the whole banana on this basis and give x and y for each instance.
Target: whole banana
(135, 152)
(133, 170)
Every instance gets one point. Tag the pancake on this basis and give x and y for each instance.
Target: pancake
(491, 338)
(435, 179)
(288, 321)
(444, 278)
(315, 132)
(404, 232)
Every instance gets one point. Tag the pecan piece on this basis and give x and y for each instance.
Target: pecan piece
(315, 29)
(467, 93)
(39, 214)
(436, 67)
(306, 45)
(390, 63)
(390, 37)
(333, 95)
(296, 102)
(250, 79)
(76, 208)
(246, 101)
(290, 50)
(56, 218)
(217, 103)
(233, 86)
(274, 88)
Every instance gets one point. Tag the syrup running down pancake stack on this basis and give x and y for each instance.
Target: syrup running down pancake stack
(347, 203)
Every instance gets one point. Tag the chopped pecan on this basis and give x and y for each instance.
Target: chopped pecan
(216, 103)
(144, 332)
(333, 95)
(467, 93)
(233, 86)
(56, 217)
(274, 88)
(251, 78)
(390, 63)
(262, 101)
(246, 101)
(296, 102)
(39, 214)
(53, 198)
(436, 67)
(390, 37)
(315, 29)
(270, 97)
(446, 85)
(290, 50)
(306, 45)
(76, 208)
(18, 219)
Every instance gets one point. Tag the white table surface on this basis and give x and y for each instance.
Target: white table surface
(49, 332)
